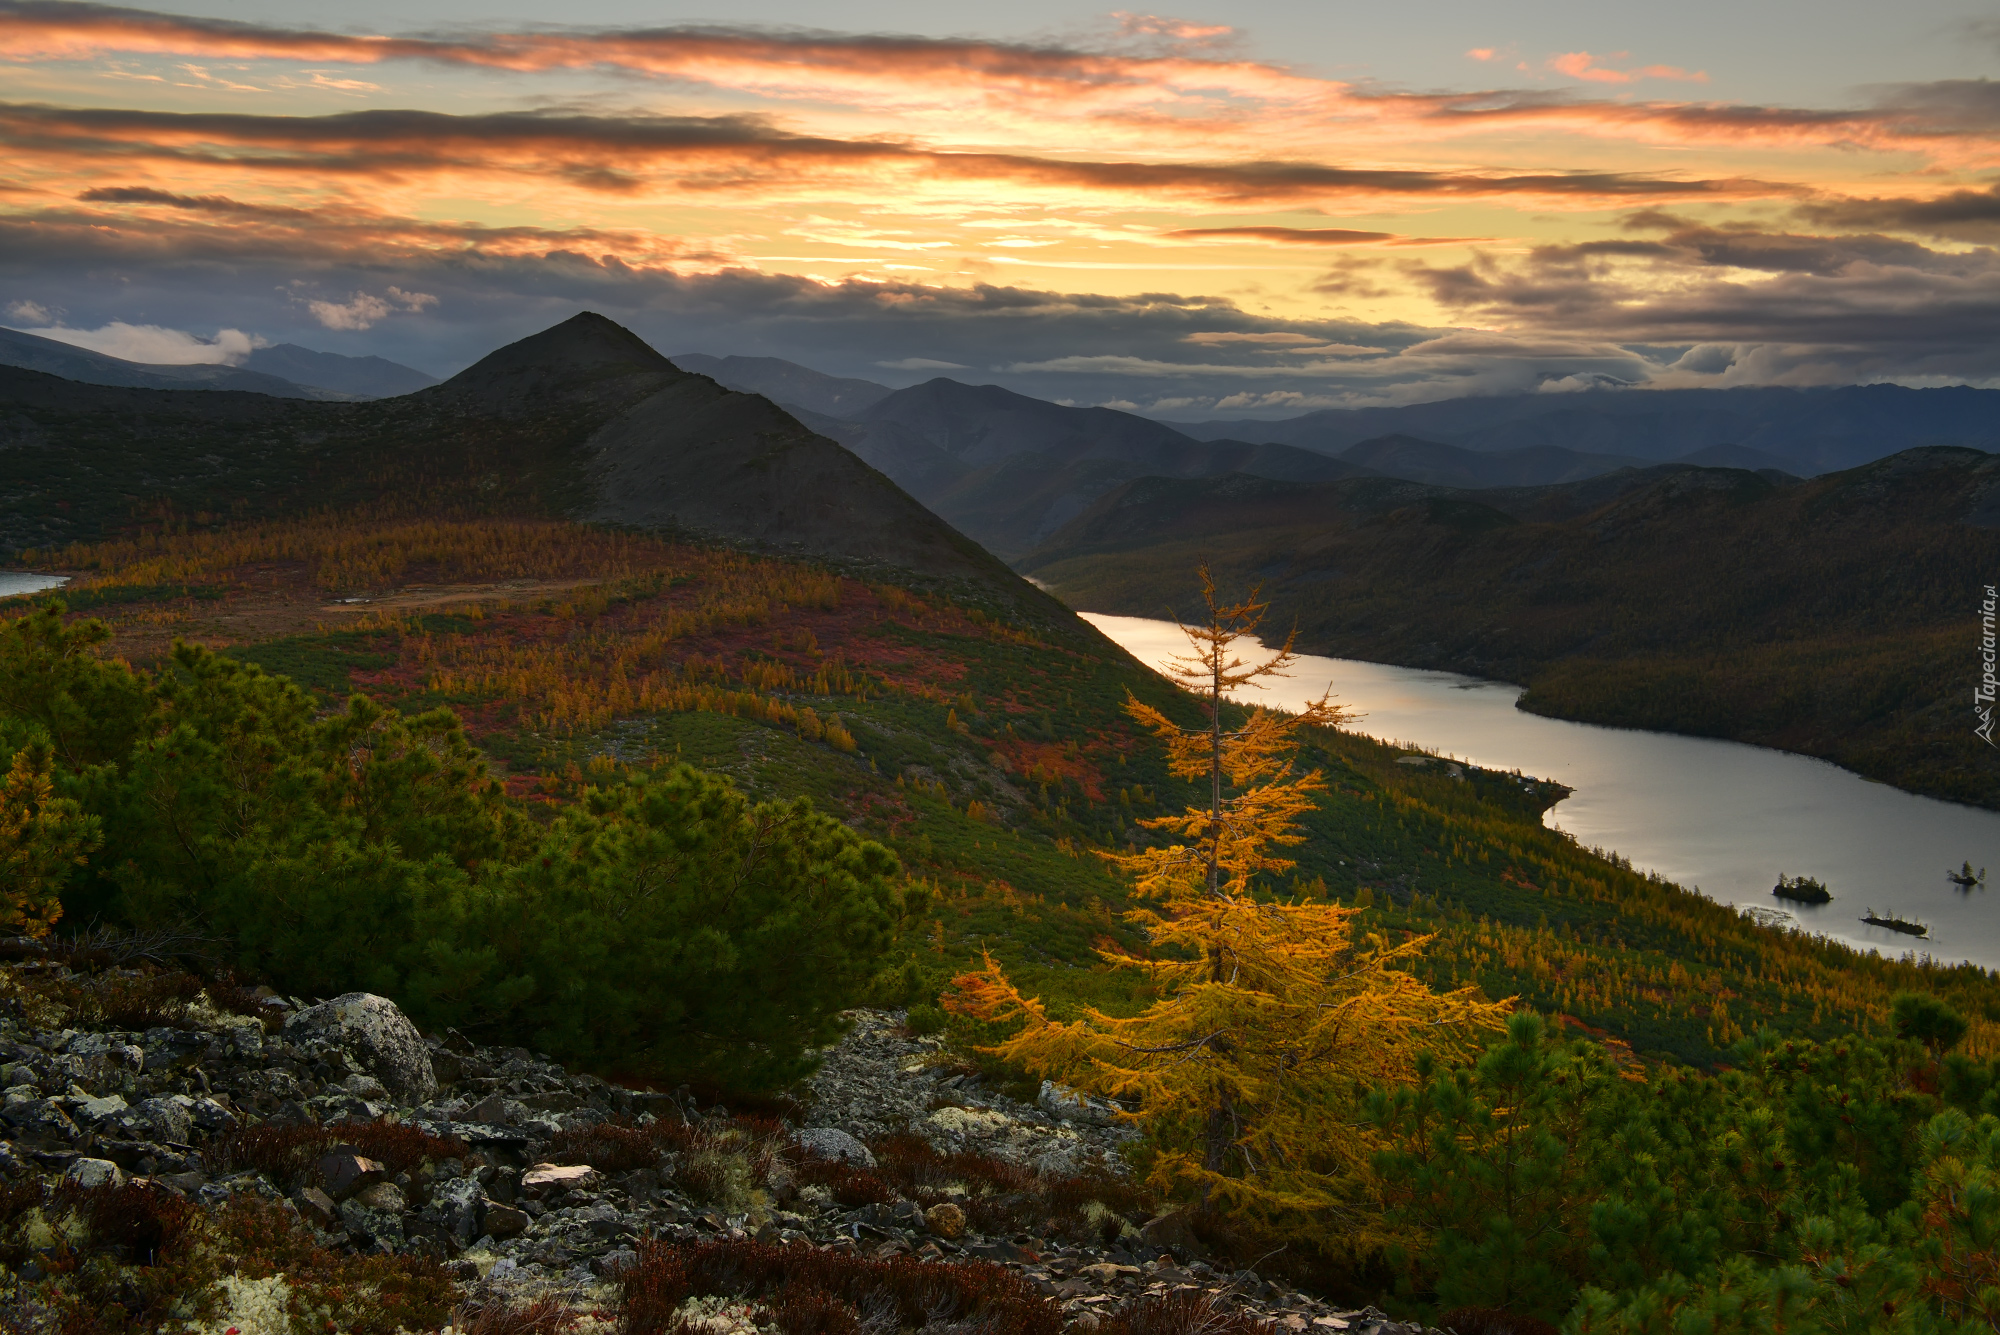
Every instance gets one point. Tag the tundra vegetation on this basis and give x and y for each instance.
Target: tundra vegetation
(708, 799)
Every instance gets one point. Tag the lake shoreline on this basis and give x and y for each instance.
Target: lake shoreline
(1716, 815)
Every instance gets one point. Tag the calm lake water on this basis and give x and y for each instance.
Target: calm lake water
(12, 583)
(1720, 817)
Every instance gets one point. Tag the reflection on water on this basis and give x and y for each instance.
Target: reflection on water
(1721, 817)
(13, 582)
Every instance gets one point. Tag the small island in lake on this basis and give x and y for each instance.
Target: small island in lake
(1802, 890)
(1965, 878)
(1895, 924)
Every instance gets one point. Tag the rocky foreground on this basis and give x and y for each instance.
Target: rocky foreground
(438, 1174)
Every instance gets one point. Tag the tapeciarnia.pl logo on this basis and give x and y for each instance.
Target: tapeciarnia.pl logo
(1982, 694)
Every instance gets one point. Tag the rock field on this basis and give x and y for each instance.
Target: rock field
(517, 1211)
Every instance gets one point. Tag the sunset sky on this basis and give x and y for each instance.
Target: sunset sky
(1242, 209)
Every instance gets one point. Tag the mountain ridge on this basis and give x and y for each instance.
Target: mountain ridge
(284, 370)
(1832, 427)
(582, 420)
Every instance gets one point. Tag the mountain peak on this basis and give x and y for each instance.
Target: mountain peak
(582, 350)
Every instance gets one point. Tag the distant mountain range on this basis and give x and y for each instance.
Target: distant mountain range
(1009, 471)
(786, 383)
(286, 371)
(1801, 431)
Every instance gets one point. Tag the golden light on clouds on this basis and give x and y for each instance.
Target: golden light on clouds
(1621, 206)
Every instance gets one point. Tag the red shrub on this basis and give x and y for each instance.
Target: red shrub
(1187, 1312)
(138, 1219)
(821, 1291)
(290, 1152)
(607, 1147)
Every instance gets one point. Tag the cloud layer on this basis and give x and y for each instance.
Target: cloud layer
(1152, 218)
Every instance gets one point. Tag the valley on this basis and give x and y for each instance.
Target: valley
(1831, 617)
(475, 661)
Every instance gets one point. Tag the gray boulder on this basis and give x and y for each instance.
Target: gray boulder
(381, 1036)
(94, 1173)
(455, 1209)
(376, 1214)
(828, 1142)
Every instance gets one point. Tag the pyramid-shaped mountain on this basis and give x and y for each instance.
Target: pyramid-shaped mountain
(583, 420)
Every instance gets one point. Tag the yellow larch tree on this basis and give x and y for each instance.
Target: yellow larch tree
(42, 838)
(1271, 1020)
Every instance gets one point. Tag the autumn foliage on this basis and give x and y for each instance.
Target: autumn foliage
(1269, 1017)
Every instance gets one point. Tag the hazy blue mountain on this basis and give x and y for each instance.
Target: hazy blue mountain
(34, 353)
(1742, 456)
(286, 371)
(1008, 470)
(1441, 465)
(1822, 428)
(360, 377)
(786, 383)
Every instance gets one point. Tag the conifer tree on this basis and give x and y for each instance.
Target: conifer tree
(1270, 1018)
(42, 838)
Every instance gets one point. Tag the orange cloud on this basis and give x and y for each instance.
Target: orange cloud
(1583, 65)
(1307, 236)
(1027, 95)
(681, 157)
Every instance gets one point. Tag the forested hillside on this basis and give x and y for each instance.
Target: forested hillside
(663, 803)
(1837, 617)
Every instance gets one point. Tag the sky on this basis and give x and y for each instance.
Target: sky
(1246, 210)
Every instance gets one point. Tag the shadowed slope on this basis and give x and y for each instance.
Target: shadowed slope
(1837, 617)
(583, 420)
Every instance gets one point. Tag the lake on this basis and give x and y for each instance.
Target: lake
(1720, 817)
(13, 583)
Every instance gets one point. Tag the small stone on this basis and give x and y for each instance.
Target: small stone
(614, 1263)
(946, 1220)
(39, 1117)
(1069, 1105)
(497, 1110)
(346, 1172)
(504, 1221)
(454, 1207)
(318, 1207)
(826, 1142)
(95, 1173)
(547, 1177)
(384, 1196)
(212, 1116)
(96, 1110)
(366, 1087)
(365, 1222)
(171, 1119)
